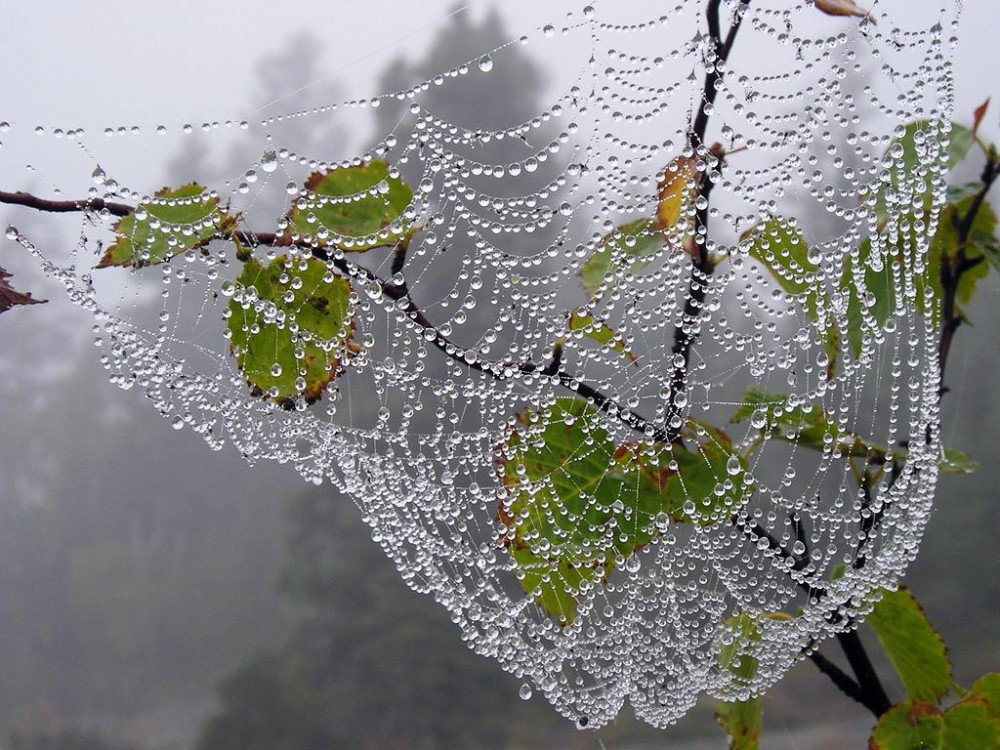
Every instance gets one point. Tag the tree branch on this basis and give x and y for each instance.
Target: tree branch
(953, 270)
(687, 331)
(396, 292)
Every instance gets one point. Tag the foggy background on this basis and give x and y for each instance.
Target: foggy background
(155, 595)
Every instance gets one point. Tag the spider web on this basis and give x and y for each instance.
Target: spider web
(500, 379)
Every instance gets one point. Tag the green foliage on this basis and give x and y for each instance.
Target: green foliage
(354, 208)
(627, 249)
(578, 504)
(912, 645)
(742, 720)
(804, 424)
(174, 221)
(921, 726)
(280, 361)
(599, 331)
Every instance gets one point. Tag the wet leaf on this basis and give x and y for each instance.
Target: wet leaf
(987, 689)
(915, 649)
(782, 249)
(913, 162)
(577, 504)
(921, 726)
(10, 297)
(281, 361)
(354, 208)
(956, 462)
(873, 307)
(908, 726)
(628, 249)
(982, 243)
(598, 331)
(173, 222)
(677, 190)
(743, 722)
(807, 425)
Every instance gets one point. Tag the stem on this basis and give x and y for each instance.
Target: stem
(837, 676)
(952, 269)
(875, 698)
(687, 331)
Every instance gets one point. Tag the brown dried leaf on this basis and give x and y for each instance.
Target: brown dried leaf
(9, 297)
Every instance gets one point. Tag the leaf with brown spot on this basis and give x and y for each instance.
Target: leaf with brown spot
(174, 221)
(280, 360)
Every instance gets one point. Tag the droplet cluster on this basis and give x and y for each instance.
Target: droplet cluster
(534, 270)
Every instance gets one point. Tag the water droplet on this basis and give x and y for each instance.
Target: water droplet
(525, 692)
(11, 233)
(98, 176)
(177, 423)
(269, 161)
(734, 466)
(486, 63)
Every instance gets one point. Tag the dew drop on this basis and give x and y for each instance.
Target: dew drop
(486, 63)
(525, 691)
(269, 161)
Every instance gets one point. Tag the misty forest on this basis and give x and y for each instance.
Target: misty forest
(633, 355)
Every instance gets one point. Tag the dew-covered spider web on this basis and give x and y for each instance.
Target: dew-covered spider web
(642, 389)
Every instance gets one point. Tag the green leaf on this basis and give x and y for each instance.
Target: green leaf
(912, 645)
(878, 301)
(783, 251)
(282, 361)
(982, 243)
(174, 221)
(577, 504)
(598, 331)
(912, 163)
(807, 424)
(743, 721)
(354, 208)
(956, 462)
(967, 725)
(987, 689)
(908, 726)
(628, 249)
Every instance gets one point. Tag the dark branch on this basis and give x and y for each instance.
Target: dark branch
(686, 332)
(953, 270)
(837, 676)
(94, 205)
(875, 698)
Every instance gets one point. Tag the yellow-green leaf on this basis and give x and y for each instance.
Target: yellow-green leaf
(743, 722)
(173, 221)
(920, 726)
(354, 208)
(807, 425)
(781, 248)
(627, 249)
(577, 504)
(676, 191)
(912, 645)
(987, 689)
(599, 331)
(290, 325)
